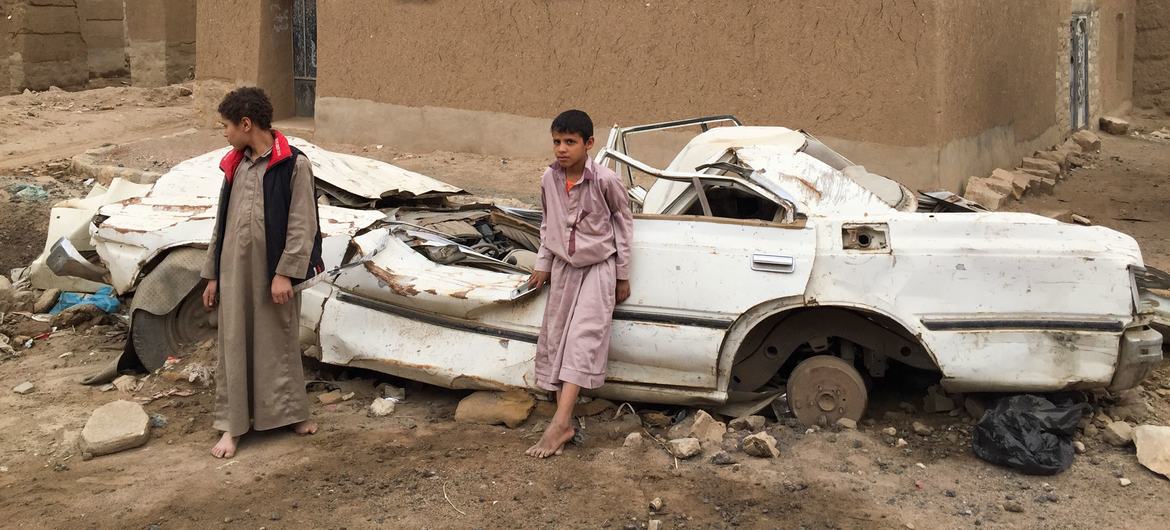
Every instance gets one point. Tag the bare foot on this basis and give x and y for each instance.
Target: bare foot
(305, 427)
(554, 439)
(226, 448)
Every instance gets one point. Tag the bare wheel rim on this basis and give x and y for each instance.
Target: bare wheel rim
(824, 389)
(189, 323)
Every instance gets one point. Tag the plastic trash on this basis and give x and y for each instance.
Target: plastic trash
(1029, 433)
(28, 192)
(103, 299)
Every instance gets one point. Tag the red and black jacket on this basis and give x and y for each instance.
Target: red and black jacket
(277, 202)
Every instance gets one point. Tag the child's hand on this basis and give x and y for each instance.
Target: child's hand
(281, 289)
(209, 293)
(623, 290)
(538, 278)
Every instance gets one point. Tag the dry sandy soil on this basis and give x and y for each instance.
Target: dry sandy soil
(419, 469)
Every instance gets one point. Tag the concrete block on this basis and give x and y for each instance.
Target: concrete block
(1114, 125)
(1087, 140)
(114, 427)
(979, 191)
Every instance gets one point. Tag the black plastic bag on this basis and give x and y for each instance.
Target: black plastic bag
(1029, 433)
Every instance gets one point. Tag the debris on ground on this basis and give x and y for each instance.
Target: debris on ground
(847, 424)
(114, 427)
(104, 299)
(382, 407)
(1153, 448)
(1082, 220)
(761, 444)
(79, 316)
(126, 383)
(1114, 125)
(387, 390)
(633, 441)
(1087, 140)
(329, 398)
(47, 300)
(656, 504)
(722, 458)
(23, 192)
(1028, 433)
(921, 429)
(1118, 433)
(510, 408)
(748, 423)
(24, 388)
(699, 425)
(684, 447)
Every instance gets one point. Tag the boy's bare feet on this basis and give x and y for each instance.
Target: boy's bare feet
(305, 427)
(226, 448)
(552, 441)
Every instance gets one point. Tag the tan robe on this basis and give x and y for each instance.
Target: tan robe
(259, 382)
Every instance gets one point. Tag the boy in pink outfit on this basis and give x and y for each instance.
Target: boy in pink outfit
(585, 256)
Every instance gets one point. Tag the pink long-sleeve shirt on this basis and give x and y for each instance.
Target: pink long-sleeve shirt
(586, 224)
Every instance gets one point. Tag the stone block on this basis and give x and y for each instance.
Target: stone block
(1114, 125)
(684, 447)
(980, 192)
(1049, 168)
(510, 408)
(761, 445)
(1088, 141)
(114, 427)
(1118, 433)
(699, 425)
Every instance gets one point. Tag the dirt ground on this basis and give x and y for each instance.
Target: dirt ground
(417, 468)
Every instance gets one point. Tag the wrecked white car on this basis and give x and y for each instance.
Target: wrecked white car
(763, 262)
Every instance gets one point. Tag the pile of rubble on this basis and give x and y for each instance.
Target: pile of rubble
(1039, 173)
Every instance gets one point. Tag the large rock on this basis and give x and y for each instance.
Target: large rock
(1153, 448)
(684, 447)
(699, 425)
(980, 192)
(1049, 168)
(510, 408)
(761, 444)
(46, 301)
(1113, 125)
(1118, 433)
(999, 182)
(1087, 140)
(748, 423)
(114, 427)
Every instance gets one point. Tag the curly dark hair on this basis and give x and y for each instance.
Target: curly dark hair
(247, 102)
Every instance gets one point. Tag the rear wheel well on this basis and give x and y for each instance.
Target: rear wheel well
(868, 340)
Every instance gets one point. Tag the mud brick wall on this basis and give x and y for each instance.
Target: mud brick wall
(41, 45)
(103, 26)
(1152, 55)
(161, 41)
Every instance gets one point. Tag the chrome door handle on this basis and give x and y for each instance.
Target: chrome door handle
(773, 263)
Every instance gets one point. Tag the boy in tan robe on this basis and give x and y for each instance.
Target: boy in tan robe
(266, 240)
(585, 239)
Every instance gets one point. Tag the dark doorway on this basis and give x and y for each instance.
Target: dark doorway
(305, 56)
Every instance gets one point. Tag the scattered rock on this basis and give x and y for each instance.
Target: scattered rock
(593, 407)
(126, 383)
(749, 423)
(1088, 141)
(1118, 433)
(1082, 220)
(936, 400)
(84, 315)
(684, 447)
(1043, 185)
(699, 425)
(510, 408)
(761, 444)
(1049, 168)
(1090, 430)
(382, 407)
(24, 388)
(1113, 125)
(1079, 446)
(901, 443)
(633, 441)
(387, 390)
(974, 407)
(1153, 448)
(1124, 481)
(890, 431)
(921, 429)
(722, 458)
(46, 301)
(1013, 507)
(656, 419)
(348, 396)
(654, 524)
(979, 191)
(847, 424)
(329, 398)
(115, 426)
(656, 504)
(1131, 407)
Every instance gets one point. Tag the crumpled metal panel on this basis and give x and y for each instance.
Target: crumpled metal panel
(818, 189)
